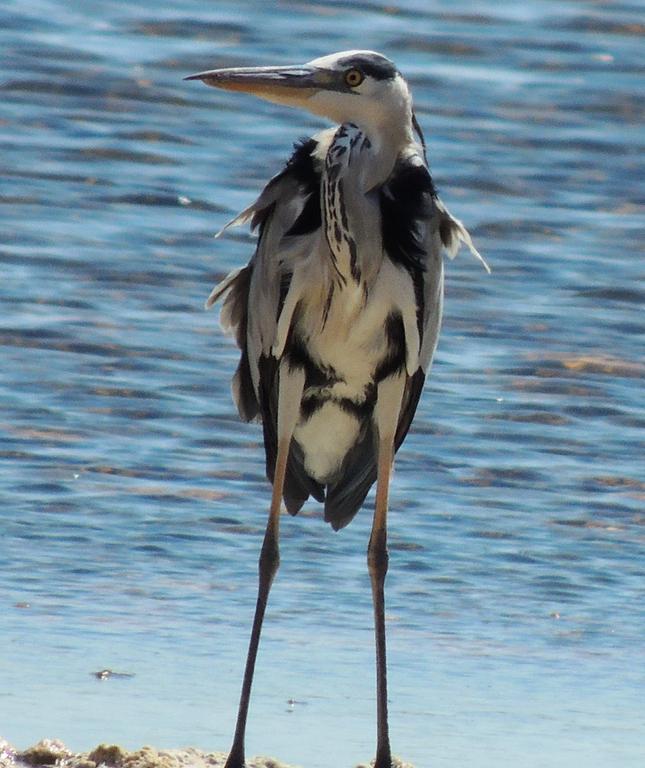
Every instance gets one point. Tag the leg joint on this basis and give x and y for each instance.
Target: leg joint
(377, 555)
(269, 557)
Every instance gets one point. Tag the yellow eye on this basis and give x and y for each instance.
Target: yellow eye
(354, 77)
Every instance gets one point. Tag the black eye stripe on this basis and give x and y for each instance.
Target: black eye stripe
(374, 66)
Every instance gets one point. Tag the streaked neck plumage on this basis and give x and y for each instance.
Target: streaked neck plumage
(384, 117)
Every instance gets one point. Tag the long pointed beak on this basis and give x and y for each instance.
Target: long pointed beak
(284, 85)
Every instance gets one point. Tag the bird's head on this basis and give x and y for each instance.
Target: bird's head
(361, 87)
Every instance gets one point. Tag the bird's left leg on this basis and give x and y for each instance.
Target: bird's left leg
(386, 412)
(290, 386)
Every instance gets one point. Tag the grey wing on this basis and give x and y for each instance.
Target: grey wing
(287, 214)
(256, 286)
(439, 232)
(416, 230)
(443, 233)
(287, 234)
(252, 295)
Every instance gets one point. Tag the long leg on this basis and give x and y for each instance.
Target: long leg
(388, 406)
(291, 384)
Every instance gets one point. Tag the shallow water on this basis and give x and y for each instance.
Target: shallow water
(133, 501)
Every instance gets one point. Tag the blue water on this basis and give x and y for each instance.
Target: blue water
(132, 499)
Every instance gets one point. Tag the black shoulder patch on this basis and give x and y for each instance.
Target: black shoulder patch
(301, 163)
(310, 218)
(303, 167)
(406, 198)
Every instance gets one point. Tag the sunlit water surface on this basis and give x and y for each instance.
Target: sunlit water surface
(133, 500)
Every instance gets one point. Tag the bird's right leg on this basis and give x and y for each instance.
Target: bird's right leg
(290, 387)
(386, 411)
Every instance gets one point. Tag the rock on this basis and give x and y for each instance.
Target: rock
(104, 754)
(46, 752)
(7, 754)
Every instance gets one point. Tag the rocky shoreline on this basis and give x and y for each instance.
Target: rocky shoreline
(51, 753)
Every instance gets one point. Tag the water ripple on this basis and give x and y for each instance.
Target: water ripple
(133, 499)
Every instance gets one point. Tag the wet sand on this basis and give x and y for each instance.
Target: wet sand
(51, 752)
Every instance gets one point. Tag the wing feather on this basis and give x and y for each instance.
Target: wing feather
(287, 215)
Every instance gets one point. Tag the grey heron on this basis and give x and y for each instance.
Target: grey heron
(337, 313)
